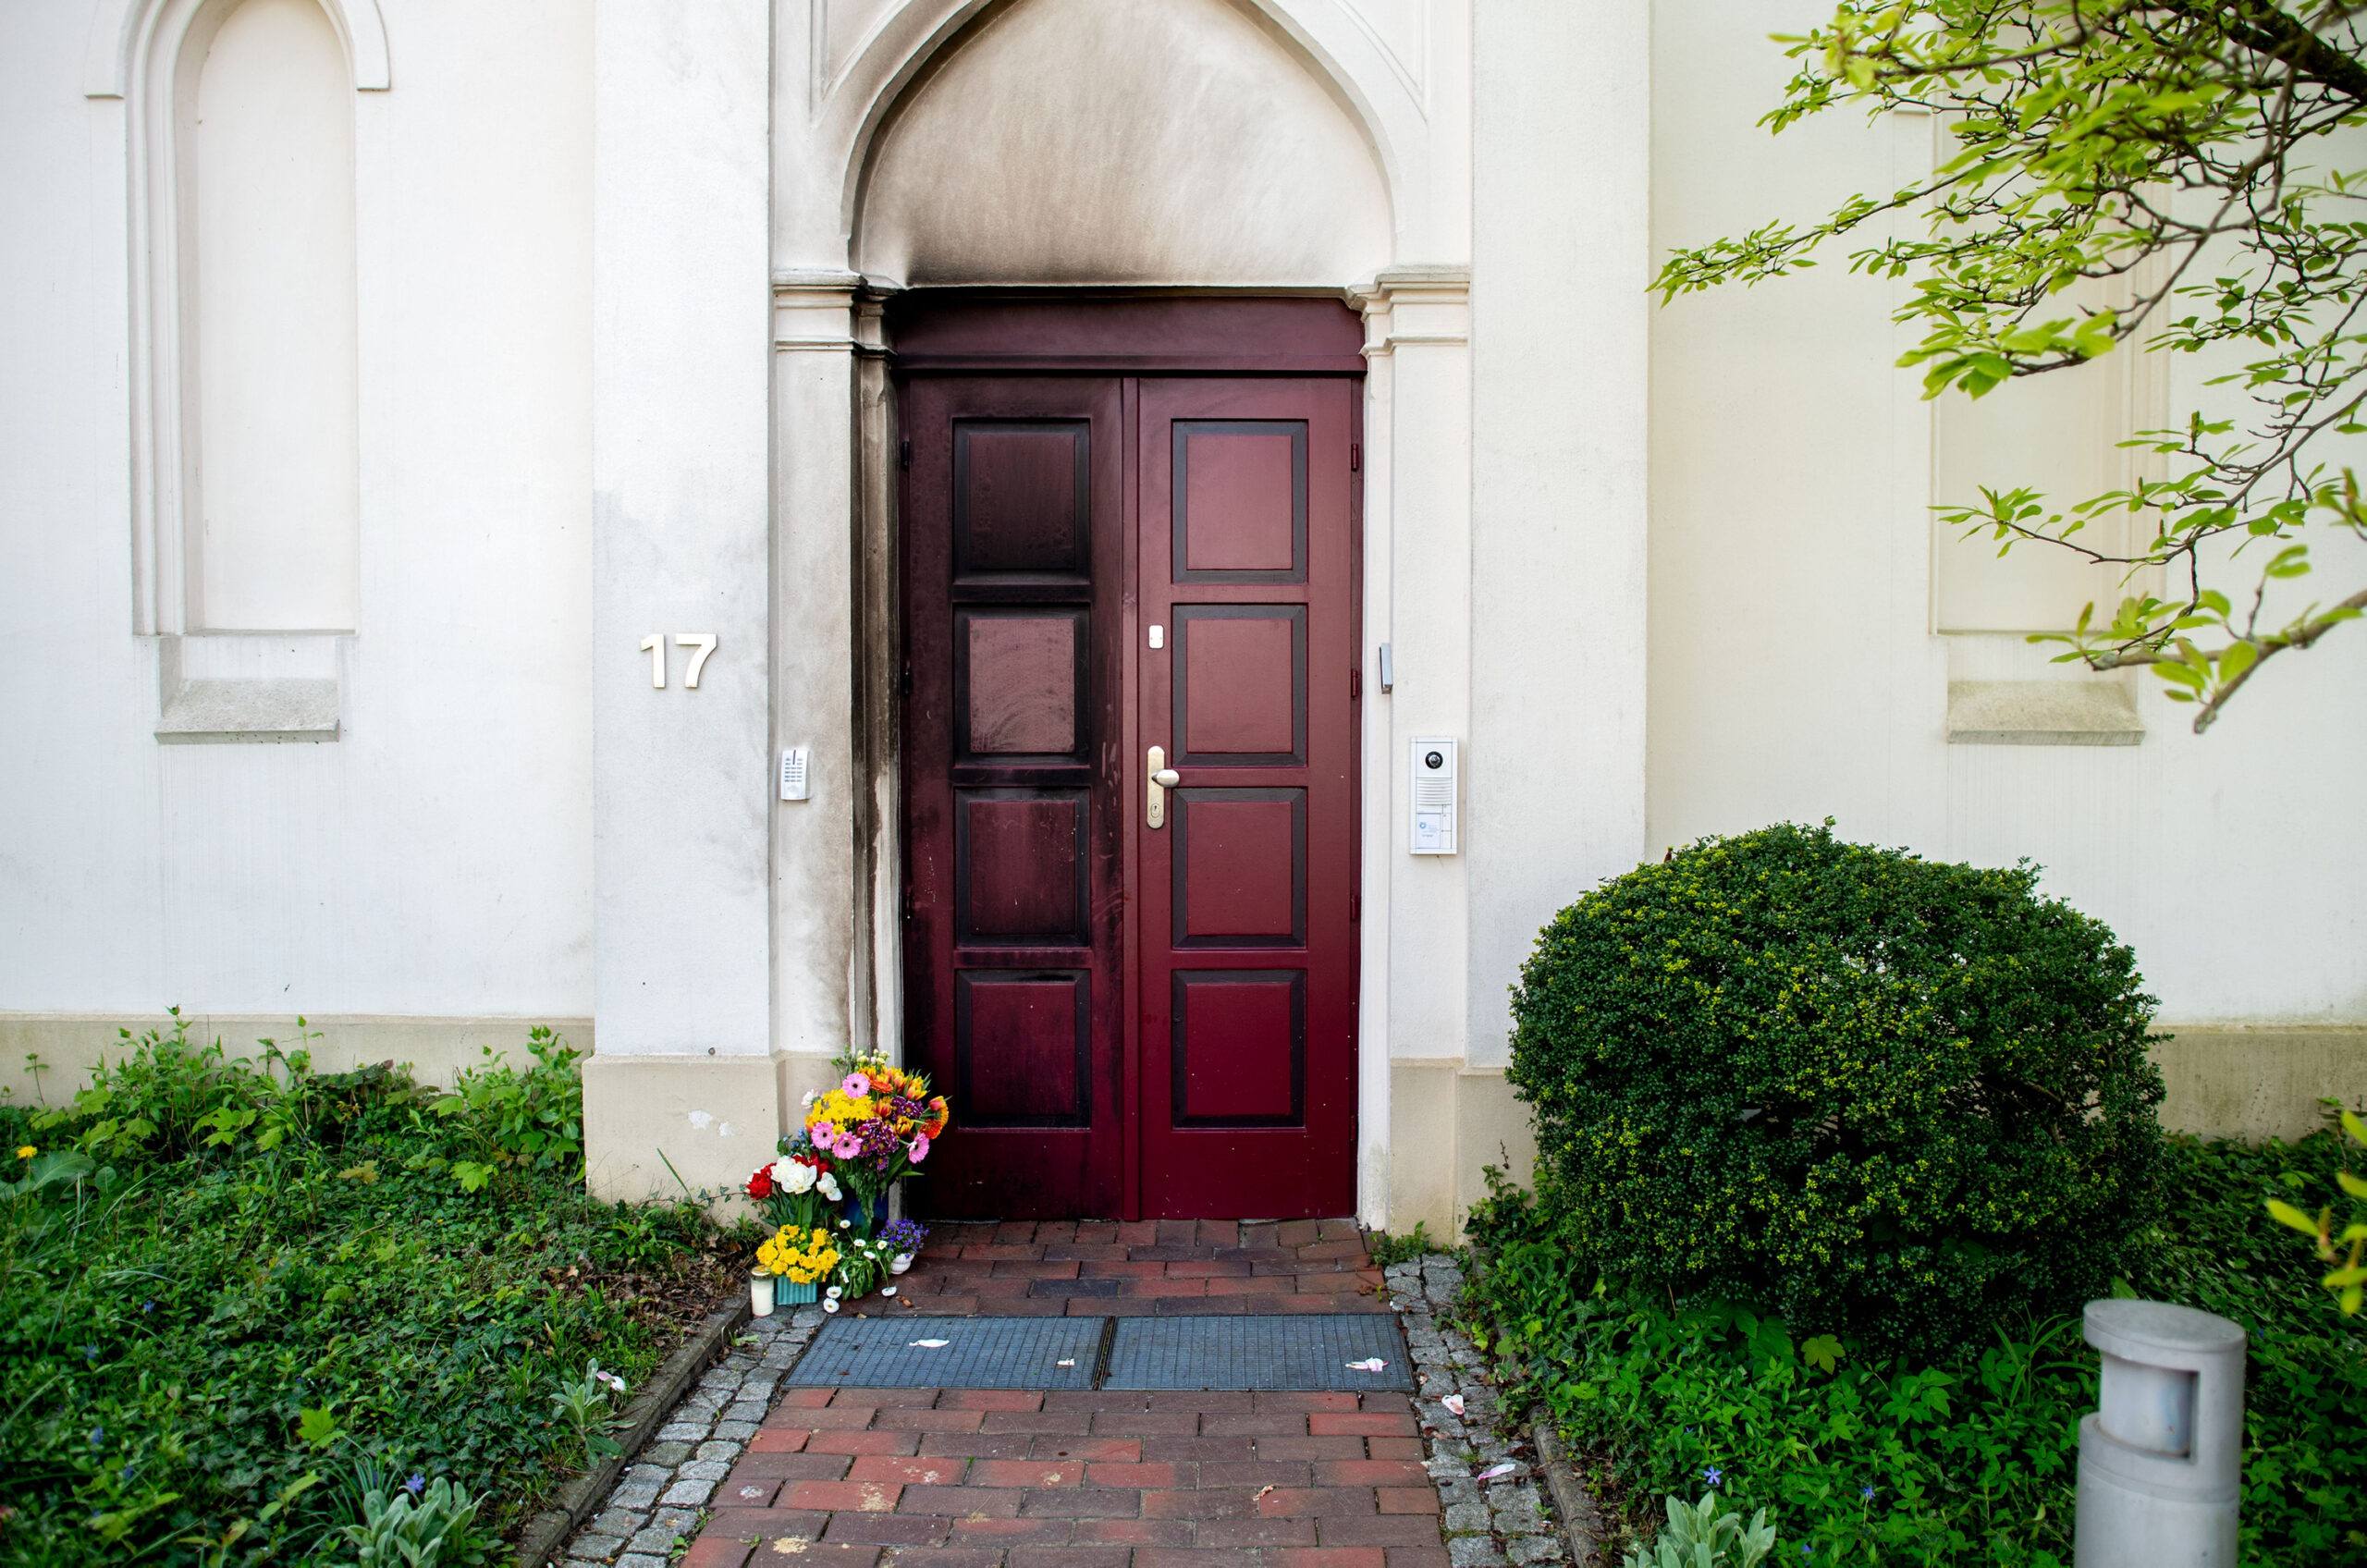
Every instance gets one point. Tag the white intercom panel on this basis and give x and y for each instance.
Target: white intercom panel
(793, 762)
(1433, 796)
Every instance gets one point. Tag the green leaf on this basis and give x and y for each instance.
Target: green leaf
(318, 1427)
(2285, 1214)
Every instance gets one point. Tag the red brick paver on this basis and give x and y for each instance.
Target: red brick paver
(1168, 1268)
(1107, 1479)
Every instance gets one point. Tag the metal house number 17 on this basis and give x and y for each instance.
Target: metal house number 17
(654, 646)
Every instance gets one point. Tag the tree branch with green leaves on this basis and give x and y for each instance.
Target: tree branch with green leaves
(2161, 148)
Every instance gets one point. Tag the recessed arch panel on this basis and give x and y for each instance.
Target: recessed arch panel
(1121, 142)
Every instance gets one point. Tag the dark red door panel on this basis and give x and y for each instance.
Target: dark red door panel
(1247, 989)
(1015, 532)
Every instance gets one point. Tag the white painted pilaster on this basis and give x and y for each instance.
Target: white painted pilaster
(815, 877)
(1417, 530)
(680, 462)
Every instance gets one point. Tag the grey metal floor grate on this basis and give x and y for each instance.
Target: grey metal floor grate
(1310, 1352)
(978, 1353)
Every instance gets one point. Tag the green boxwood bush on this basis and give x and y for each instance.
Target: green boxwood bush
(1878, 1095)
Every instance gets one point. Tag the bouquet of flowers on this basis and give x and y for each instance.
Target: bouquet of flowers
(796, 1192)
(876, 1126)
(801, 1257)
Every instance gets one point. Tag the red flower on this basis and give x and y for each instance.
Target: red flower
(760, 1185)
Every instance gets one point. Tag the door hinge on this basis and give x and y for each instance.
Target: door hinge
(1356, 908)
(904, 452)
(1355, 456)
(1355, 684)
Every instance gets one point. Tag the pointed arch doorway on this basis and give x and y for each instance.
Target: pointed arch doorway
(1128, 557)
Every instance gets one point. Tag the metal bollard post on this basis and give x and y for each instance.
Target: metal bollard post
(2159, 1459)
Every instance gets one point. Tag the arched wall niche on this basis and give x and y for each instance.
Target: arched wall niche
(153, 55)
(1121, 142)
(124, 40)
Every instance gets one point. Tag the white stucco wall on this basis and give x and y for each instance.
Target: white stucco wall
(436, 859)
(1794, 671)
(1560, 366)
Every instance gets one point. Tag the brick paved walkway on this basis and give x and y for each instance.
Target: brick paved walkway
(1001, 1479)
(1010, 1478)
(1104, 1269)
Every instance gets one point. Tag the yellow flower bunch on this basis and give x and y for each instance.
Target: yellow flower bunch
(792, 1255)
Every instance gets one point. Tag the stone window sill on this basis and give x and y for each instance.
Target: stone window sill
(219, 712)
(2041, 713)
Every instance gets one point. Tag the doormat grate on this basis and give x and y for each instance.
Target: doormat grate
(1300, 1352)
(978, 1353)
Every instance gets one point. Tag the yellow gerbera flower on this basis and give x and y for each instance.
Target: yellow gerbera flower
(26, 1151)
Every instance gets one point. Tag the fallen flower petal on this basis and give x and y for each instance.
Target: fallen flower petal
(928, 1344)
(1453, 1403)
(1372, 1364)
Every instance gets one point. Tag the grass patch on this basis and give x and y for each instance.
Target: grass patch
(1970, 1457)
(270, 1290)
(1387, 1251)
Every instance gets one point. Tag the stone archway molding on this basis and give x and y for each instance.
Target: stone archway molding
(122, 37)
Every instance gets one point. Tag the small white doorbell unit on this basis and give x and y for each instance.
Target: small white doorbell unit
(792, 773)
(1433, 797)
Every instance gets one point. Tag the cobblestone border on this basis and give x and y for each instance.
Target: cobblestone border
(661, 1497)
(1497, 1523)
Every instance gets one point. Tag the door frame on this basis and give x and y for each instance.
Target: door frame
(1103, 332)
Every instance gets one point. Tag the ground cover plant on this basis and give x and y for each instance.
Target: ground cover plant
(251, 1313)
(1969, 1456)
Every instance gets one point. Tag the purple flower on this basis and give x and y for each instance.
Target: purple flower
(416, 1485)
(1713, 1474)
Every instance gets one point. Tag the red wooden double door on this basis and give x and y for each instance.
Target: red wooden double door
(1130, 791)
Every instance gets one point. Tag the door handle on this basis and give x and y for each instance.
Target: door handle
(1162, 780)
